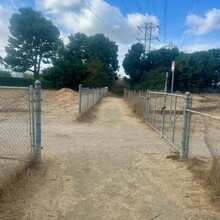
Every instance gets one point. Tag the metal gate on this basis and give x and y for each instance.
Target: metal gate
(20, 127)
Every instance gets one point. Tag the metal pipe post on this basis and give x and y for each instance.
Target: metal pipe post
(37, 149)
(174, 121)
(32, 116)
(80, 101)
(147, 105)
(164, 114)
(185, 127)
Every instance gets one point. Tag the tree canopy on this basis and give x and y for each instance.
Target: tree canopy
(194, 72)
(88, 60)
(32, 41)
(133, 63)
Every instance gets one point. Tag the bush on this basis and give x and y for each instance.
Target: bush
(5, 73)
(21, 82)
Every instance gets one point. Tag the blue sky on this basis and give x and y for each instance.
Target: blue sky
(192, 25)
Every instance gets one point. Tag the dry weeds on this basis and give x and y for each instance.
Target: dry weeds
(203, 173)
(207, 173)
(14, 194)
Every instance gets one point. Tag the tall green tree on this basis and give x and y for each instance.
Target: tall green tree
(68, 68)
(133, 63)
(91, 61)
(101, 49)
(148, 71)
(32, 41)
(197, 71)
(1, 61)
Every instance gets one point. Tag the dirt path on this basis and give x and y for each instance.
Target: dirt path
(110, 166)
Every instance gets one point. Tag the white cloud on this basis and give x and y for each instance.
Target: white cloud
(5, 15)
(57, 6)
(204, 25)
(96, 16)
(204, 46)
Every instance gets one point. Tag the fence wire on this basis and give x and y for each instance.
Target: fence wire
(165, 114)
(15, 129)
(88, 98)
(205, 126)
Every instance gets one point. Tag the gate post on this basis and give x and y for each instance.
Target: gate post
(37, 148)
(32, 116)
(163, 114)
(147, 105)
(185, 127)
(80, 101)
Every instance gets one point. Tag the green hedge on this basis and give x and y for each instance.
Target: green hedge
(21, 82)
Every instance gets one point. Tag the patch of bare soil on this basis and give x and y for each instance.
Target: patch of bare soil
(111, 166)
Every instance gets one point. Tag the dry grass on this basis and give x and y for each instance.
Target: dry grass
(203, 173)
(138, 106)
(207, 173)
(15, 192)
(174, 156)
(89, 116)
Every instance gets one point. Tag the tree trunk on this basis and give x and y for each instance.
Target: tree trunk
(35, 72)
(35, 68)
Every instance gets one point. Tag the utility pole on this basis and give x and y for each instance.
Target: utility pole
(146, 34)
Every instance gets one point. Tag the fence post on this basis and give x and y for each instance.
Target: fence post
(186, 126)
(147, 105)
(80, 101)
(32, 117)
(124, 94)
(37, 148)
(164, 114)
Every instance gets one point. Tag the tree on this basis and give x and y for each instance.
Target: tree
(132, 63)
(68, 68)
(103, 50)
(97, 76)
(5, 73)
(1, 61)
(91, 61)
(197, 71)
(32, 41)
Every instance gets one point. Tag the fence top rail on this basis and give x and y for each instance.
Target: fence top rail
(204, 114)
(169, 94)
(143, 97)
(11, 87)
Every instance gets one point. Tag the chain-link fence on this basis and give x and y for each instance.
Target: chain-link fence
(205, 126)
(19, 129)
(165, 113)
(89, 97)
(190, 124)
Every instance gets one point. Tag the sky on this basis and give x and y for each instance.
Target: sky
(191, 25)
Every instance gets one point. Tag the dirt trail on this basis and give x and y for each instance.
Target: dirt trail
(110, 166)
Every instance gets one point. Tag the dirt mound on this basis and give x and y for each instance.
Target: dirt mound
(66, 94)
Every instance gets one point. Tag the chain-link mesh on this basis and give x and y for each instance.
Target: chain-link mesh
(15, 129)
(205, 126)
(205, 132)
(89, 97)
(164, 113)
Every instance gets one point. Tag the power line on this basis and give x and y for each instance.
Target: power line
(138, 5)
(154, 7)
(129, 12)
(165, 21)
(191, 6)
(148, 6)
(115, 33)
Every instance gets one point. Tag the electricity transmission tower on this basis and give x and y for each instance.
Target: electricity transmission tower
(146, 34)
